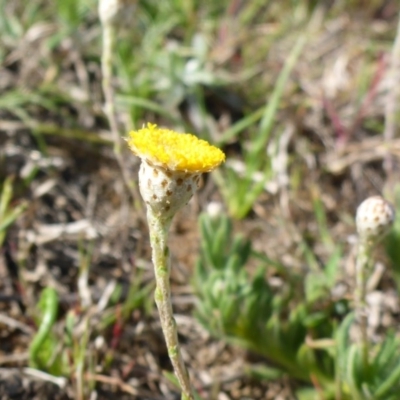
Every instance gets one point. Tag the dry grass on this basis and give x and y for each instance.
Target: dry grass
(326, 145)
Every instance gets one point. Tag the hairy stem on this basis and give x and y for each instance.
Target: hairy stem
(362, 268)
(109, 34)
(160, 256)
(106, 69)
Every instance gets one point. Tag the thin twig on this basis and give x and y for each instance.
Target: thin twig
(59, 381)
(14, 358)
(111, 380)
(108, 90)
(362, 269)
(109, 34)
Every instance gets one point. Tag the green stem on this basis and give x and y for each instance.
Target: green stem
(362, 268)
(106, 68)
(160, 256)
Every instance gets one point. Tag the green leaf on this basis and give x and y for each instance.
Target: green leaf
(42, 350)
(342, 344)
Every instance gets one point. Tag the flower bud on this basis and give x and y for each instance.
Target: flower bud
(374, 218)
(115, 11)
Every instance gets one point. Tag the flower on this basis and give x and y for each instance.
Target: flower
(171, 166)
(174, 151)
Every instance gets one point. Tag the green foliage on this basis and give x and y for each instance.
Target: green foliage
(71, 13)
(380, 380)
(299, 328)
(157, 78)
(240, 191)
(44, 350)
(137, 298)
(70, 351)
(246, 310)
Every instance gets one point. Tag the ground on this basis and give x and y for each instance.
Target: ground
(81, 216)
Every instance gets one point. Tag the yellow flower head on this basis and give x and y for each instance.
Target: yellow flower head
(174, 151)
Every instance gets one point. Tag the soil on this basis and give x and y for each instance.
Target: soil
(80, 212)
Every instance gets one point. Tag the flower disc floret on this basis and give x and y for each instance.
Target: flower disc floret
(174, 151)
